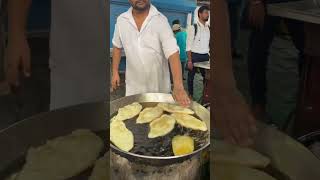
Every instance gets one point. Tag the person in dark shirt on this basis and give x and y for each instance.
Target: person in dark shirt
(263, 32)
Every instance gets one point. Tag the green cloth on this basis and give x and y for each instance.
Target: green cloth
(182, 43)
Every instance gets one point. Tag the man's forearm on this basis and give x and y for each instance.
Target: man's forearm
(189, 56)
(223, 78)
(116, 57)
(17, 17)
(175, 66)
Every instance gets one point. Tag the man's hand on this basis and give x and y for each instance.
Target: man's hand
(190, 65)
(181, 96)
(233, 119)
(18, 59)
(115, 81)
(257, 13)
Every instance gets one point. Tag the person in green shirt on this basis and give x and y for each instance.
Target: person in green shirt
(181, 37)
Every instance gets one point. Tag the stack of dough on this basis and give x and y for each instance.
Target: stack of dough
(234, 172)
(230, 162)
(61, 158)
(100, 170)
(230, 154)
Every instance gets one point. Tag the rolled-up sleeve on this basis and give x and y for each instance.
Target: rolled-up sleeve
(168, 41)
(190, 37)
(116, 40)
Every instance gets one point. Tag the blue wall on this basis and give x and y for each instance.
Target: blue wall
(172, 9)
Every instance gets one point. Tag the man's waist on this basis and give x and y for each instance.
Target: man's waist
(198, 51)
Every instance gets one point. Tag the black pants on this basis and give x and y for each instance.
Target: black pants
(259, 46)
(196, 58)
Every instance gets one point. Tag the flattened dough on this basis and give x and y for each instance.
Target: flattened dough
(100, 169)
(189, 121)
(161, 126)
(149, 114)
(63, 157)
(121, 136)
(173, 108)
(233, 172)
(128, 111)
(12, 177)
(182, 145)
(230, 154)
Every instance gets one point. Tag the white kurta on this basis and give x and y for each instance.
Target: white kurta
(147, 52)
(78, 52)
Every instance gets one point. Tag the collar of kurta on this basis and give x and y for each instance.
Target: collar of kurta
(152, 12)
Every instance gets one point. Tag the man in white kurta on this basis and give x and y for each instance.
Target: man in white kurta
(147, 51)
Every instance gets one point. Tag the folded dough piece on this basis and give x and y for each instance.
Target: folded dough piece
(182, 145)
(230, 154)
(173, 108)
(128, 111)
(121, 136)
(189, 121)
(100, 169)
(12, 177)
(63, 157)
(161, 126)
(234, 172)
(149, 114)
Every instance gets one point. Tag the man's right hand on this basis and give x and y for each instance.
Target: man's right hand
(233, 118)
(115, 81)
(18, 59)
(190, 65)
(257, 13)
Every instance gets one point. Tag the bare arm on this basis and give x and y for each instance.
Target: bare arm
(190, 37)
(179, 93)
(18, 52)
(222, 74)
(231, 114)
(116, 58)
(17, 17)
(175, 66)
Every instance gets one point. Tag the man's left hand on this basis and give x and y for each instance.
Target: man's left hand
(181, 96)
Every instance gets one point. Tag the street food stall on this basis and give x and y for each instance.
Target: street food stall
(287, 159)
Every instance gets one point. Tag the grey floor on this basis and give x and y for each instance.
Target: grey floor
(282, 83)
